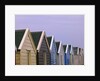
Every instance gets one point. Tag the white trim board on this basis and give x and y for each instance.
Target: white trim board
(23, 38)
(59, 47)
(52, 38)
(66, 48)
(40, 41)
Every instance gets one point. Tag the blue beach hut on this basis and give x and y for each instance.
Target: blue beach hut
(67, 51)
(53, 49)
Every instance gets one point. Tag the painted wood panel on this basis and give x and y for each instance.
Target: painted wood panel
(61, 56)
(43, 49)
(57, 59)
(53, 53)
(80, 59)
(71, 59)
(76, 60)
(26, 58)
(17, 58)
(68, 57)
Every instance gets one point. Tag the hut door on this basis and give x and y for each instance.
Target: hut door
(28, 57)
(57, 59)
(45, 58)
(61, 60)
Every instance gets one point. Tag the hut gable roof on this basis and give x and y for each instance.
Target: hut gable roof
(38, 38)
(69, 48)
(64, 46)
(49, 40)
(57, 45)
(75, 50)
(18, 36)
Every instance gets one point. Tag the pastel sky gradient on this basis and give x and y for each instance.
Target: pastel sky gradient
(66, 28)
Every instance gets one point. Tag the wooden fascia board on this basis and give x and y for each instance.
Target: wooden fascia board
(23, 38)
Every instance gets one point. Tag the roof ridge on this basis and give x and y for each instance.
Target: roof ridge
(36, 37)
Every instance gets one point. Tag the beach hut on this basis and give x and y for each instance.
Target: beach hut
(81, 56)
(65, 56)
(25, 48)
(60, 53)
(67, 51)
(75, 56)
(53, 49)
(43, 51)
(71, 56)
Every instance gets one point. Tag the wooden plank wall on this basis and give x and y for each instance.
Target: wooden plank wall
(40, 54)
(23, 53)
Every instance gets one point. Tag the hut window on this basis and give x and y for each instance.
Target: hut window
(28, 57)
(45, 60)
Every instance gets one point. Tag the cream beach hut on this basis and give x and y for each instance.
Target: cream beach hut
(25, 48)
(60, 53)
(81, 56)
(75, 56)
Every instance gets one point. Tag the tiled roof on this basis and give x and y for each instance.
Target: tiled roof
(18, 36)
(36, 37)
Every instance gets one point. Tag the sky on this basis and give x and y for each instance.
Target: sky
(66, 28)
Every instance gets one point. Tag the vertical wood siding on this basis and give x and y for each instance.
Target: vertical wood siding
(71, 59)
(17, 58)
(67, 58)
(43, 49)
(53, 54)
(24, 55)
(80, 59)
(76, 60)
(61, 56)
